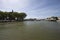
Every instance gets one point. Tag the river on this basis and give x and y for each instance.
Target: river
(30, 30)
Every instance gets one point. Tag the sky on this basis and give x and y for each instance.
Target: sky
(33, 8)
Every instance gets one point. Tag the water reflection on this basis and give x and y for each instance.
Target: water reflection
(30, 30)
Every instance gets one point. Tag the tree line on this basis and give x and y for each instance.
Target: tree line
(12, 16)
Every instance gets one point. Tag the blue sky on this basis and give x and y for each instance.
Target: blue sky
(33, 8)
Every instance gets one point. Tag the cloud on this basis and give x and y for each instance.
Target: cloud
(14, 4)
(45, 8)
(33, 8)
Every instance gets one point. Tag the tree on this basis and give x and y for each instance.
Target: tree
(56, 18)
(2, 15)
(16, 15)
(22, 16)
(12, 15)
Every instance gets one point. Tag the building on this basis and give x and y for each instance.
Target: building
(52, 18)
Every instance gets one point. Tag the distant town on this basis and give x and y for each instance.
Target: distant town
(52, 18)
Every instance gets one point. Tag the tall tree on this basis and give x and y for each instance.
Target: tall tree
(12, 15)
(22, 15)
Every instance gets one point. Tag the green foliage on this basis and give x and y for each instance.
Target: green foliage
(12, 15)
(56, 18)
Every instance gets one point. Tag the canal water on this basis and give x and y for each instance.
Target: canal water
(30, 30)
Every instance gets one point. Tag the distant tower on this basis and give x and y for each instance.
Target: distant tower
(12, 11)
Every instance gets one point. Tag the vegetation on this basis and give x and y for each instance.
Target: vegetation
(56, 18)
(12, 16)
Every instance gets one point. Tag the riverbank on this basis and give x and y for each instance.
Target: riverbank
(6, 21)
